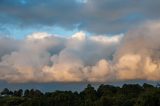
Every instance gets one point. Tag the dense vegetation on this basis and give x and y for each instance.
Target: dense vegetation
(105, 95)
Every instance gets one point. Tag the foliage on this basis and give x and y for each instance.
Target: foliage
(105, 95)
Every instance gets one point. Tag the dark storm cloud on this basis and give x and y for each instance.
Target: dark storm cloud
(99, 16)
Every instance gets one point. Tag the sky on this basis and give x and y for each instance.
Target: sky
(78, 41)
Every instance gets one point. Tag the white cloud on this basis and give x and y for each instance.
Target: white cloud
(79, 36)
(39, 36)
(106, 39)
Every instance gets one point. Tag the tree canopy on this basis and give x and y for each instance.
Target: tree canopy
(105, 95)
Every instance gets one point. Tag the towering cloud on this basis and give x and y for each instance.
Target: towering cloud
(139, 53)
(42, 57)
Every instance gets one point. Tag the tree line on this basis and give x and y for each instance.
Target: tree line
(105, 95)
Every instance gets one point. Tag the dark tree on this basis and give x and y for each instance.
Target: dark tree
(18, 93)
(105, 95)
(145, 85)
(26, 93)
(5, 91)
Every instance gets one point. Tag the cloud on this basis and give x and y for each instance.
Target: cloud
(43, 57)
(6, 46)
(101, 17)
(139, 53)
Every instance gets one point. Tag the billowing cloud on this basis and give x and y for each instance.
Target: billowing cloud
(8, 45)
(42, 57)
(139, 53)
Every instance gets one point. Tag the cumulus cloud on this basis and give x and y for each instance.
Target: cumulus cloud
(139, 53)
(6, 46)
(43, 57)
